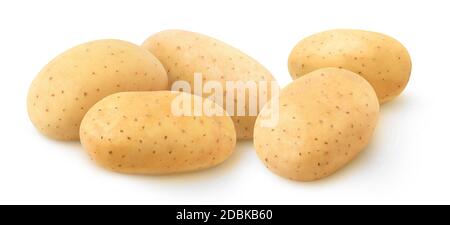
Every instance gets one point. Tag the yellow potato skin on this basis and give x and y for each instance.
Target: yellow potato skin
(380, 59)
(326, 118)
(184, 53)
(71, 83)
(136, 132)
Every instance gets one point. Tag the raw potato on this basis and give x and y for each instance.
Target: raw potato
(136, 132)
(184, 53)
(325, 119)
(381, 60)
(75, 80)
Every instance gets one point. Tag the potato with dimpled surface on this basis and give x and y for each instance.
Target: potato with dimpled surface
(326, 118)
(71, 83)
(380, 59)
(138, 132)
(185, 53)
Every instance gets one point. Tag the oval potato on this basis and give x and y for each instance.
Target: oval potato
(136, 132)
(380, 59)
(325, 119)
(185, 53)
(71, 83)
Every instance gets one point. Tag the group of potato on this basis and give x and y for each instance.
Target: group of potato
(114, 97)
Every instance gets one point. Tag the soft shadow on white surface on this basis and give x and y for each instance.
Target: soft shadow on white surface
(397, 105)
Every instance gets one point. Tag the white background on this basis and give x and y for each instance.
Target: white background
(407, 162)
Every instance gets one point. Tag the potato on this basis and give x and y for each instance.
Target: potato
(71, 83)
(326, 118)
(380, 59)
(137, 132)
(185, 53)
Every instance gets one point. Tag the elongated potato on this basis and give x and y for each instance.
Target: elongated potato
(380, 59)
(325, 119)
(137, 132)
(71, 83)
(185, 53)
